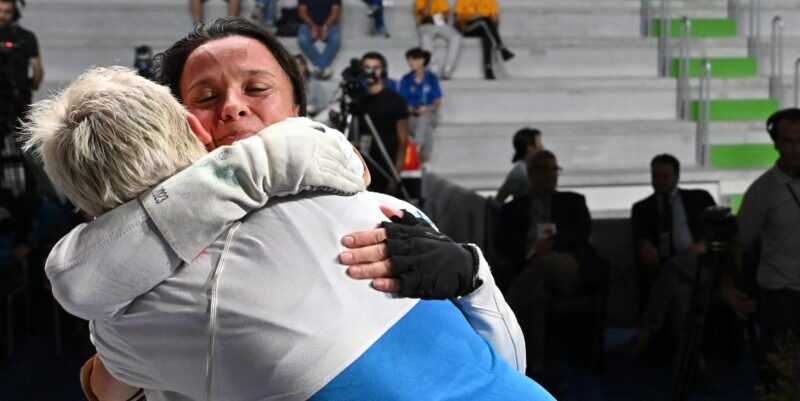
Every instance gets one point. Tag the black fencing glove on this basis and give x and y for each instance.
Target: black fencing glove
(428, 263)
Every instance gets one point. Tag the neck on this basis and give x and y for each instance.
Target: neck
(540, 193)
(419, 74)
(375, 88)
(787, 168)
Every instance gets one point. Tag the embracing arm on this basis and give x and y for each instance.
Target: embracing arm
(414, 260)
(490, 316)
(98, 268)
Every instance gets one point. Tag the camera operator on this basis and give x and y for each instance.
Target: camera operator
(19, 53)
(388, 111)
(770, 215)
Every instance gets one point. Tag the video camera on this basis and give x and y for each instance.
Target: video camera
(354, 78)
(720, 227)
(143, 61)
(10, 99)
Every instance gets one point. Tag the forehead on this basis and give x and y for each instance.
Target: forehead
(789, 128)
(372, 62)
(544, 161)
(232, 56)
(662, 168)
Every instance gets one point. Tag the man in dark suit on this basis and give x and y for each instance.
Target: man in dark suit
(667, 231)
(546, 234)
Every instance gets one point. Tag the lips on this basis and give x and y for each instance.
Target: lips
(234, 136)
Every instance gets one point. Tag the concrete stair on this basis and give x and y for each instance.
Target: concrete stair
(582, 74)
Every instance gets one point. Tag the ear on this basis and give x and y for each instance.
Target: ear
(202, 135)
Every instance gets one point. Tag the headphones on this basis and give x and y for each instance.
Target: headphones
(381, 59)
(775, 120)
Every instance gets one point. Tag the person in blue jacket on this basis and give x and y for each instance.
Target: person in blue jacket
(420, 87)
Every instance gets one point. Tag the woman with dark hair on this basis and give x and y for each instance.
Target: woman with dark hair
(527, 142)
(480, 18)
(234, 80)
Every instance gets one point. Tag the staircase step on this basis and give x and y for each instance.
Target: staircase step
(738, 109)
(721, 67)
(736, 202)
(743, 155)
(700, 28)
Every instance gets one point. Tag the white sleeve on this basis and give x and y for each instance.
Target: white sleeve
(283, 159)
(490, 316)
(100, 267)
(97, 269)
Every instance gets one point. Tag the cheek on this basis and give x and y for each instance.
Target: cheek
(277, 110)
(206, 118)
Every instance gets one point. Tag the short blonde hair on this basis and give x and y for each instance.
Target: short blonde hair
(110, 136)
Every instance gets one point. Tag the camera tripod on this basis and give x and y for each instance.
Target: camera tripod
(353, 112)
(702, 296)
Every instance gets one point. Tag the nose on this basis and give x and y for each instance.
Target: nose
(234, 108)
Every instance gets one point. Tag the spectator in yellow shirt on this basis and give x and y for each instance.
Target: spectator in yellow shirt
(432, 23)
(480, 18)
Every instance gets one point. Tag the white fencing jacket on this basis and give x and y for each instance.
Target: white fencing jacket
(263, 312)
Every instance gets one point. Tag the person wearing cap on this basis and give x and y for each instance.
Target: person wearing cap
(527, 142)
(432, 22)
(422, 92)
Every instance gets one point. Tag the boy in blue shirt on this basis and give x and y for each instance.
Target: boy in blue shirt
(422, 92)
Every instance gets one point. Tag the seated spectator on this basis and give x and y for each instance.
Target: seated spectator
(667, 230)
(527, 142)
(480, 18)
(315, 93)
(320, 22)
(196, 6)
(432, 22)
(265, 13)
(423, 95)
(546, 234)
(376, 12)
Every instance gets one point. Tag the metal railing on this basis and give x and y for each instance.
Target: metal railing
(776, 61)
(703, 112)
(733, 13)
(682, 97)
(754, 32)
(664, 49)
(797, 83)
(646, 23)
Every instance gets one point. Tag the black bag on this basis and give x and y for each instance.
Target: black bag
(288, 23)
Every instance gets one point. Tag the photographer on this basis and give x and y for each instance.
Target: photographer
(19, 53)
(388, 111)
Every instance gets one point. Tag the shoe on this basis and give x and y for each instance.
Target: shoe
(325, 73)
(447, 73)
(258, 12)
(382, 32)
(488, 73)
(506, 54)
